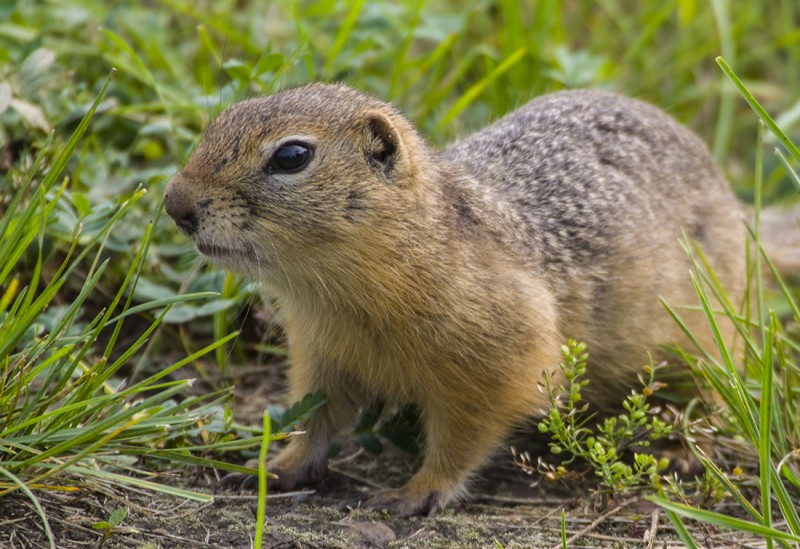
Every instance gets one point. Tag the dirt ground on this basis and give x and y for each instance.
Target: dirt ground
(503, 510)
(507, 508)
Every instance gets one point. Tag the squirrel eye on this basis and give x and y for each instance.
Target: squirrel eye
(290, 158)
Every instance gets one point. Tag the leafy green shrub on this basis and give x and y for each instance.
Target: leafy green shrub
(602, 446)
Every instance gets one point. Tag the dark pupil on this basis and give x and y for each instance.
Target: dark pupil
(290, 157)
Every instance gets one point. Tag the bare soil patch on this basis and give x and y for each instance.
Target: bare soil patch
(507, 508)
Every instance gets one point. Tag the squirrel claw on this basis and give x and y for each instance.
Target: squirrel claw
(243, 481)
(401, 503)
(239, 481)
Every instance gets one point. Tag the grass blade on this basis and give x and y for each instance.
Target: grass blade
(35, 501)
(674, 517)
(759, 110)
(765, 431)
(476, 89)
(345, 30)
(725, 521)
(262, 482)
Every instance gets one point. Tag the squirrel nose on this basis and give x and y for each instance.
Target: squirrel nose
(183, 213)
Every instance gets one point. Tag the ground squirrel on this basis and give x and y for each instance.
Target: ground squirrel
(450, 279)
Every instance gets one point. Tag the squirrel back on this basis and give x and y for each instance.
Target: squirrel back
(592, 173)
(604, 189)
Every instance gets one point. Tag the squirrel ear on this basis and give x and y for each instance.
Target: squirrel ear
(382, 143)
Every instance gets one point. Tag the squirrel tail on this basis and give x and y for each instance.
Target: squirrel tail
(780, 238)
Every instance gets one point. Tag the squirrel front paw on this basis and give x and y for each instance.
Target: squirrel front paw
(407, 501)
(283, 478)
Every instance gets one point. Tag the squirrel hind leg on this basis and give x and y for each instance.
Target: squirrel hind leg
(459, 437)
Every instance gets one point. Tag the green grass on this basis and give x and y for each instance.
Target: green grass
(96, 287)
(759, 394)
(68, 419)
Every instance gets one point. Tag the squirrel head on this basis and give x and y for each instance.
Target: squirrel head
(308, 171)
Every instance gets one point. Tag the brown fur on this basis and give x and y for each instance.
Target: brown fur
(449, 280)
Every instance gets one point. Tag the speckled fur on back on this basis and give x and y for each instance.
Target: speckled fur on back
(450, 279)
(604, 186)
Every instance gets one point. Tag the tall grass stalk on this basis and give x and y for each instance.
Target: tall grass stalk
(262, 480)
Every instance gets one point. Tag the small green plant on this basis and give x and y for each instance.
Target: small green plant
(284, 420)
(402, 428)
(602, 445)
(705, 492)
(108, 526)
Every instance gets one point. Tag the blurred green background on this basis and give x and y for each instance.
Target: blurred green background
(450, 66)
